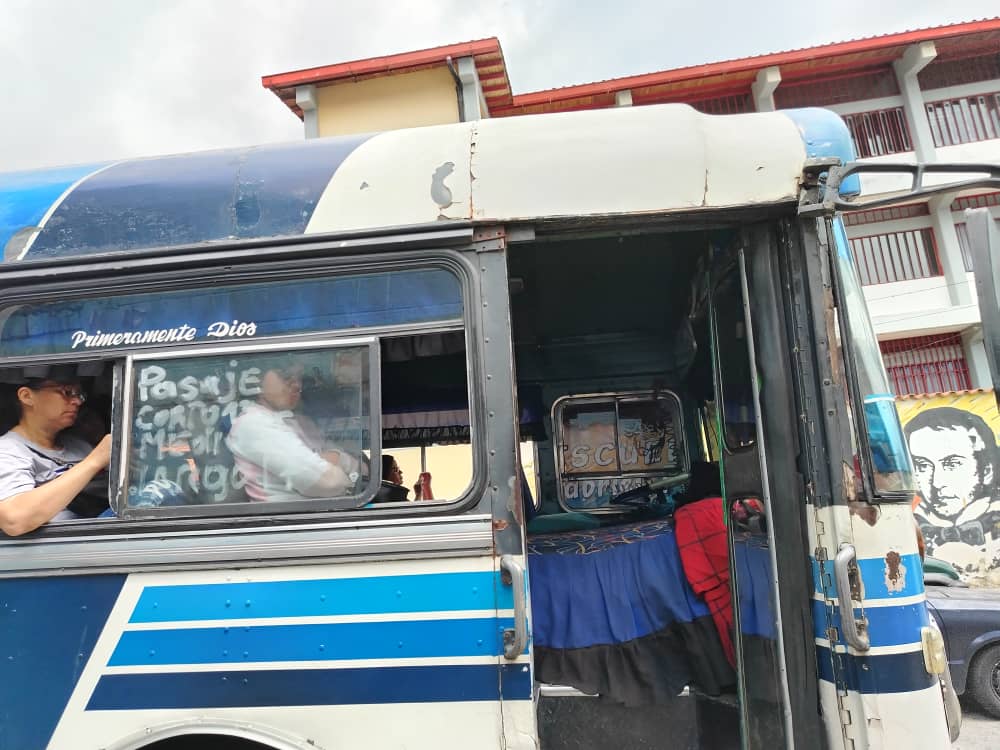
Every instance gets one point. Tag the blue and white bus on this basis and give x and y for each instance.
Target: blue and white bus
(625, 300)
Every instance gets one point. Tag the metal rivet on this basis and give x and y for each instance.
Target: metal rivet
(322, 647)
(247, 604)
(322, 597)
(228, 603)
(246, 654)
(400, 644)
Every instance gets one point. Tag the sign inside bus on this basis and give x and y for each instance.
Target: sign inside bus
(221, 329)
(608, 449)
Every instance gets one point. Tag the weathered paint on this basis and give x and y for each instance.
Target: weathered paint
(623, 162)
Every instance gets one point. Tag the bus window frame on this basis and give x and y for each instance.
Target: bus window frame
(120, 472)
(859, 421)
(448, 251)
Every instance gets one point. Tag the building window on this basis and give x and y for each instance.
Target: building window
(964, 120)
(829, 91)
(896, 256)
(926, 364)
(941, 73)
(879, 132)
(724, 105)
(891, 213)
(963, 242)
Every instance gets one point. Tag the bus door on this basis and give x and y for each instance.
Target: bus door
(856, 488)
(757, 445)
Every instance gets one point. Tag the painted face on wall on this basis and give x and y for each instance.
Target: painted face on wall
(949, 468)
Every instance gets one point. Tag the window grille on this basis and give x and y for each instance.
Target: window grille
(963, 243)
(964, 120)
(926, 364)
(724, 105)
(827, 91)
(983, 200)
(880, 132)
(892, 213)
(896, 256)
(940, 73)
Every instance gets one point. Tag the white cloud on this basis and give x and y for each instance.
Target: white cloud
(111, 79)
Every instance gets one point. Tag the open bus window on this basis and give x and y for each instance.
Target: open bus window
(280, 429)
(426, 423)
(608, 444)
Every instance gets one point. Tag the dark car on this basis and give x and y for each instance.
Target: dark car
(969, 619)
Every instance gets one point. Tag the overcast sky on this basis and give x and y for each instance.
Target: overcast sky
(108, 79)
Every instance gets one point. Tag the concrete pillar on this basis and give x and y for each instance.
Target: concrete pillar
(975, 357)
(473, 103)
(949, 251)
(305, 98)
(763, 88)
(623, 98)
(915, 59)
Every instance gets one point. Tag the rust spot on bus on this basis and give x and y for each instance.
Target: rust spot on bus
(499, 524)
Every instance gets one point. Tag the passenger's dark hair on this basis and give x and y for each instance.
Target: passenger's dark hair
(387, 461)
(949, 418)
(10, 407)
(704, 482)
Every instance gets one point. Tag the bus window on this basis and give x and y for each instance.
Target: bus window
(426, 424)
(884, 455)
(242, 431)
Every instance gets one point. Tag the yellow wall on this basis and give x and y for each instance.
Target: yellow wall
(958, 470)
(426, 97)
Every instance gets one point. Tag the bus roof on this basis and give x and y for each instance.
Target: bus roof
(621, 162)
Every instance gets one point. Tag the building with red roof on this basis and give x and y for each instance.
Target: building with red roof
(927, 94)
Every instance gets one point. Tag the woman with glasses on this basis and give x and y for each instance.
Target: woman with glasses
(46, 474)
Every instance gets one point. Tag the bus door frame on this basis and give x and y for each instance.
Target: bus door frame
(763, 276)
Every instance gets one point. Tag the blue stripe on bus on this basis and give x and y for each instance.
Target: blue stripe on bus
(248, 193)
(48, 629)
(25, 197)
(887, 626)
(873, 578)
(311, 687)
(878, 673)
(322, 642)
(433, 592)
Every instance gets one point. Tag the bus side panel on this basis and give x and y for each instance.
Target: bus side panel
(48, 630)
(344, 655)
(889, 684)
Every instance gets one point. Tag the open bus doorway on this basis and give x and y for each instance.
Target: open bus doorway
(619, 324)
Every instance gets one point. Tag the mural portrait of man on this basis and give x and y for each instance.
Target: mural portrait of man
(955, 457)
